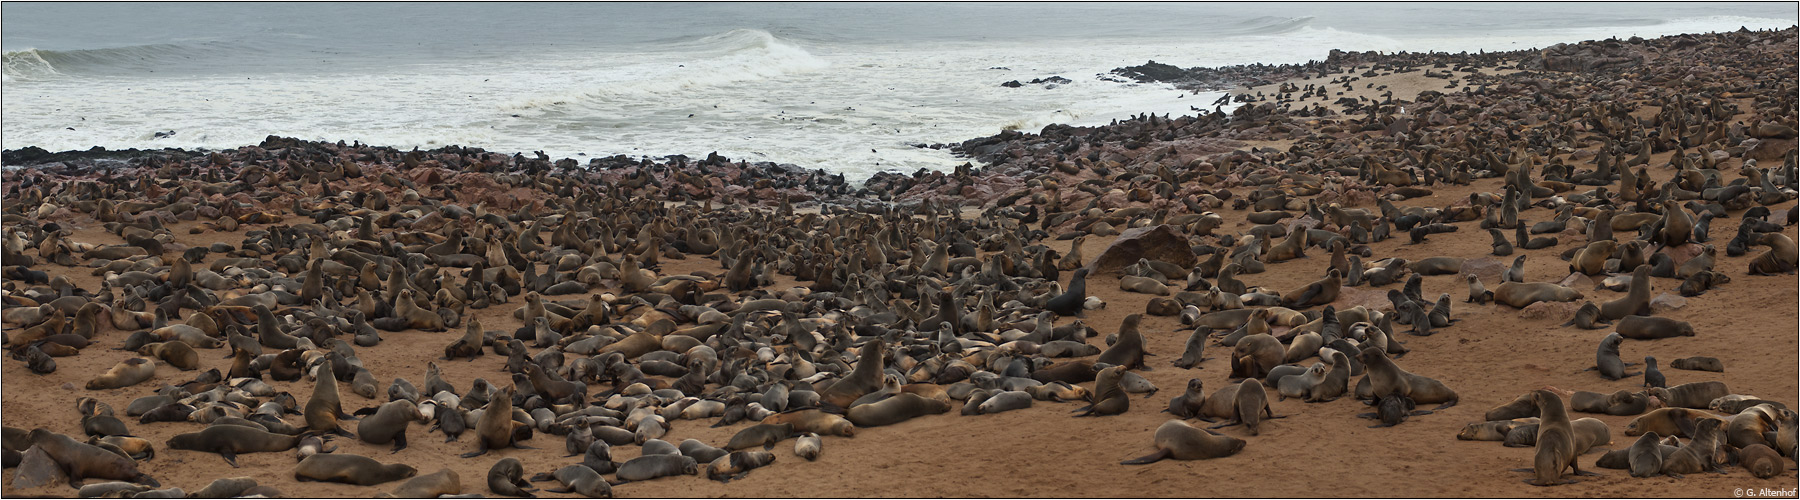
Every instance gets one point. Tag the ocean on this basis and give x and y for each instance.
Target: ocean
(847, 87)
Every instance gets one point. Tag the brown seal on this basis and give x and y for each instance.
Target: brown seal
(507, 478)
(80, 461)
(469, 345)
(1653, 327)
(1108, 398)
(1698, 363)
(1255, 355)
(1587, 318)
(1556, 442)
(808, 446)
(1189, 403)
(1320, 292)
(1519, 295)
(1477, 293)
(1699, 395)
(442, 482)
(764, 435)
(177, 353)
(899, 408)
(737, 465)
(350, 469)
(649, 467)
(1762, 461)
(1249, 405)
(134, 448)
(1705, 452)
(1635, 302)
(812, 420)
(324, 408)
(577, 478)
(865, 378)
(388, 424)
(1494, 430)
(230, 440)
(1180, 441)
(1384, 378)
(1591, 260)
(496, 429)
(1668, 422)
(1129, 350)
(125, 374)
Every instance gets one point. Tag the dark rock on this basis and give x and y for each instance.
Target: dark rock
(1012, 84)
(1162, 243)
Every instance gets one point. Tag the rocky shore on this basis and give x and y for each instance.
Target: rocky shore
(1027, 324)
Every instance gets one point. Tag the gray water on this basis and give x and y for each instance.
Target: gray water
(846, 87)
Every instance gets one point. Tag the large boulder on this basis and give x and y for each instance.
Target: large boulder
(1162, 243)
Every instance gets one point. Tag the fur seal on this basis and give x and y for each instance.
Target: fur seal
(176, 353)
(1607, 358)
(350, 469)
(127, 373)
(1494, 430)
(1177, 440)
(1645, 457)
(388, 424)
(1386, 378)
(1556, 442)
(866, 377)
(649, 467)
(1477, 293)
(1249, 404)
(1697, 395)
(1195, 350)
(1188, 404)
(737, 465)
(324, 408)
(230, 440)
(1762, 461)
(495, 429)
(580, 479)
(1705, 452)
(1591, 260)
(1652, 376)
(1635, 302)
(766, 435)
(899, 408)
(1255, 355)
(1129, 350)
(1108, 398)
(1587, 318)
(433, 485)
(808, 446)
(1698, 363)
(507, 478)
(1653, 327)
(813, 420)
(1668, 422)
(80, 461)
(1519, 295)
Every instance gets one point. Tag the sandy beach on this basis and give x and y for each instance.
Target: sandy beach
(1491, 355)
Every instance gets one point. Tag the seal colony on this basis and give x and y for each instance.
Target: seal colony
(1307, 245)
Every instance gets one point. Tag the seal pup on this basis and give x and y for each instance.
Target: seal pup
(1607, 361)
(1108, 398)
(1652, 376)
(808, 446)
(507, 478)
(433, 485)
(1587, 318)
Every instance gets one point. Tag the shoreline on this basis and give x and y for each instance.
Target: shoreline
(653, 245)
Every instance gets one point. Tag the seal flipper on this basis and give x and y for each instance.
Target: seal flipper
(1447, 404)
(480, 449)
(229, 456)
(1148, 459)
(399, 443)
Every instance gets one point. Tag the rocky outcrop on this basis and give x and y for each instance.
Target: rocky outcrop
(1163, 243)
